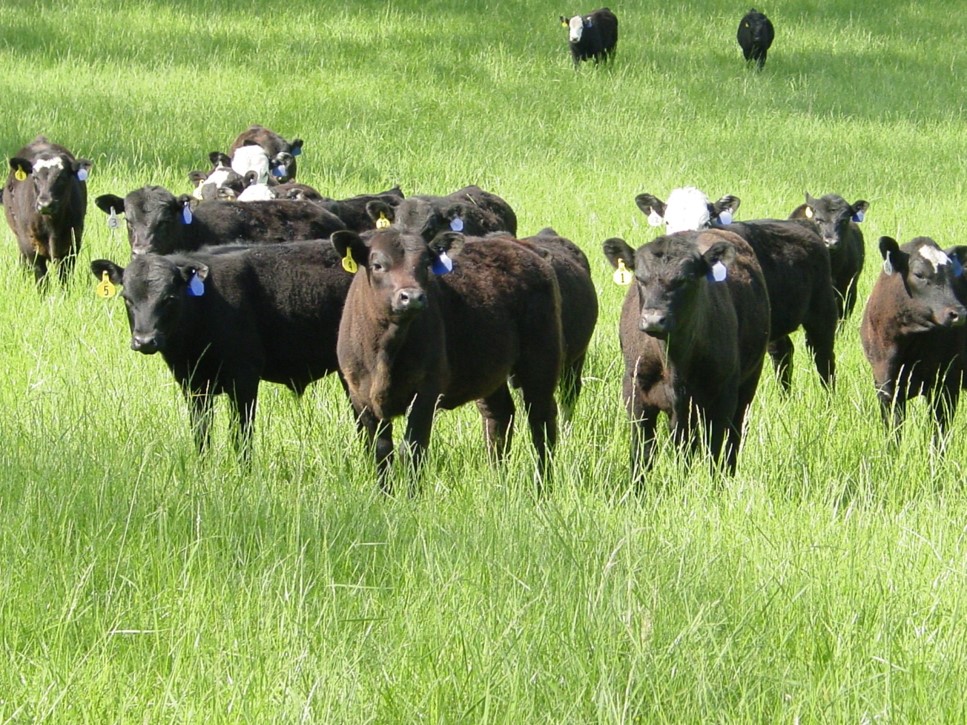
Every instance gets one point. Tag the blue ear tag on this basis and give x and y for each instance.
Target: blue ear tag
(956, 267)
(112, 219)
(196, 288)
(587, 22)
(887, 265)
(297, 151)
(442, 264)
(858, 216)
(725, 217)
(456, 224)
(278, 171)
(717, 273)
(82, 174)
(186, 215)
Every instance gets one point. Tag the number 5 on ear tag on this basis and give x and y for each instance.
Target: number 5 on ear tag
(104, 289)
(349, 264)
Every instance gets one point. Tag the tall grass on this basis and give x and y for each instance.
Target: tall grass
(824, 582)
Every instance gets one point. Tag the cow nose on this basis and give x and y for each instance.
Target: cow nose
(954, 317)
(653, 321)
(146, 344)
(410, 299)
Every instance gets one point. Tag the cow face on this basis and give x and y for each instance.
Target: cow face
(399, 266)
(668, 274)
(575, 27)
(154, 217)
(833, 214)
(222, 182)
(51, 176)
(931, 278)
(156, 291)
(688, 209)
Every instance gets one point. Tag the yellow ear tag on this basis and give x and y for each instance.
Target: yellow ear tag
(621, 275)
(104, 289)
(20, 174)
(348, 263)
(809, 212)
(382, 222)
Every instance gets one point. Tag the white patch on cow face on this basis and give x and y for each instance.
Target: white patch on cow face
(935, 256)
(55, 163)
(219, 176)
(576, 28)
(686, 210)
(251, 158)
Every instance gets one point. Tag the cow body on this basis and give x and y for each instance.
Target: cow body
(794, 262)
(411, 340)
(836, 221)
(353, 211)
(755, 36)
(470, 210)
(913, 330)
(693, 331)
(264, 313)
(157, 221)
(45, 202)
(593, 36)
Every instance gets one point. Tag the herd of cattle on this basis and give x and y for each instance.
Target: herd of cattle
(429, 302)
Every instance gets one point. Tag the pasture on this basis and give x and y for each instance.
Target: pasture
(825, 581)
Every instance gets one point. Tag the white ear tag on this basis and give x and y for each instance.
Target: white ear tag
(887, 265)
(82, 174)
(456, 224)
(718, 273)
(112, 219)
(655, 219)
(725, 217)
(186, 215)
(858, 216)
(196, 288)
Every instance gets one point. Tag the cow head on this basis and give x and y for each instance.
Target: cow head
(156, 291)
(688, 209)
(668, 273)
(832, 214)
(221, 177)
(399, 266)
(575, 26)
(931, 279)
(51, 175)
(154, 217)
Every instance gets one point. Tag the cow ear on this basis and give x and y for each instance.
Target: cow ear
(726, 203)
(188, 199)
(958, 257)
(348, 244)
(250, 178)
(618, 250)
(191, 269)
(858, 210)
(20, 164)
(447, 241)
(295, 148)
(82, 168)
(799, 212)
(721, 252)
(651, 207)
(380, 212)
(197, 178)
(219, 159)
(115, 273)
(893, 259)
(109, 202)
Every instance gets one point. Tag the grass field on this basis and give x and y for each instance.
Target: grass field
(825, 582)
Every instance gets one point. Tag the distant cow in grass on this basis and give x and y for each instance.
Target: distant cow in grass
(838, 223)
(794, 262)
(470, 210)
(693, 331)
(45, 201)
(755, 36)
(913, 329)
(281, 154)
(440, 324)
(353, 211)
(593, 36)
(223, 320)
(162, 223)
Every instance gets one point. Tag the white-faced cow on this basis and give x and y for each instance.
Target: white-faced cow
(592, 36)
(755, 36)
(913, 329)
(794, 262)
(281, 154)
(838, 224)
(693, 331)
(439, 324)
(45, 201)
(162, 223)
(225, 319)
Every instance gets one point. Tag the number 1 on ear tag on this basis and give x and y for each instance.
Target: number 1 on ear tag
(382, 222)
(20, 174)
(622, 275)
(442, 264)
(349, 264)
(104, 289)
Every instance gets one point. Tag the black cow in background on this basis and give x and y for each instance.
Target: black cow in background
(592, 36)
(45, 201)
(470, 210)
(755, 35)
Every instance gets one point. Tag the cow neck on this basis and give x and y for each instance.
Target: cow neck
(695, 341)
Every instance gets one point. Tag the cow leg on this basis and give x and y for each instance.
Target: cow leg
(244, 398)
(734, 437)
(644, 422)
(569, 388)
(378, 435)
(419, 424)
(201, 413)
(819, 340)
(780, 350)
(542, 419)
(497, 410)
(892, 409)
(944, 405)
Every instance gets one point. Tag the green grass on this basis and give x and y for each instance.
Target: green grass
(823, 583)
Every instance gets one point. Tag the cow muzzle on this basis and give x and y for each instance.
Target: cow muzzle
(146, 344)
(952, 317)
(408, 301)
(654, 322)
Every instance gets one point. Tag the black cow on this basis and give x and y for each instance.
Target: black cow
(470, 210)
(694, 328)
(592, 36)
(913, 329)
(45, 201)
(354, 211)
(225, 319)
(441, 324)
(838, 223)
(281, 153)
(755, 35)
(794, 262)
(159, 222)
